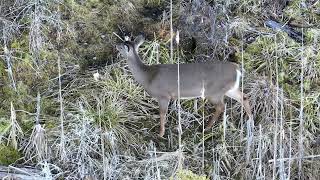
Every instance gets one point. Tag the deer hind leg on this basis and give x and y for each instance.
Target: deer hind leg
(241, 98)
(163, 106)
(219, 107)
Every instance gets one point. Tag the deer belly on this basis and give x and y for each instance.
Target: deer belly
(192, 93)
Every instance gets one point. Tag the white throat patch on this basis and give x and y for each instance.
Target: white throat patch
(202, 91)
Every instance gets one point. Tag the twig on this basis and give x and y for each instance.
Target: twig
(294, 158)
(301, 124)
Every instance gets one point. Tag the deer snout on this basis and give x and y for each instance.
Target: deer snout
(123, 49)
(119, 47)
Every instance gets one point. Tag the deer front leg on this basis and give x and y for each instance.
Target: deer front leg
(163, 106)
(243, 99)
(219, 109)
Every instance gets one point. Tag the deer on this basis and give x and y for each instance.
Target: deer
(210, 80)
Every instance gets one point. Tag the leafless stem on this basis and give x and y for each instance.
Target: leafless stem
(62, 136)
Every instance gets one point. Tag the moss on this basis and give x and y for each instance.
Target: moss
(188, 175)
(93, 3)
(49, 106)
(26, 124)
(51, 124)
(234, 42)
(302, 12)
(2, 68)
(8, 155)
(3, 125)
(293, 10)
(91, 36)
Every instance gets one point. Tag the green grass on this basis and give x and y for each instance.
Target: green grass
(8, 155)
(110, 125)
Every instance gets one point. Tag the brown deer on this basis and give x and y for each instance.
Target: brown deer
(211, 80)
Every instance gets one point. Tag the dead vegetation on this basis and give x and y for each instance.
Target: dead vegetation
(70, 108)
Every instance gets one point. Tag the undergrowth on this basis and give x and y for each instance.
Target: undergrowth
(70, 107)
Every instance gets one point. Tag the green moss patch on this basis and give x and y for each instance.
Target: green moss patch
(8, 155)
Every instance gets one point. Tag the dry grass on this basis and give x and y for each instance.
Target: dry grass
(98, 123)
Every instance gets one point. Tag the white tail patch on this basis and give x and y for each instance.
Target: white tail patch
(237, 83)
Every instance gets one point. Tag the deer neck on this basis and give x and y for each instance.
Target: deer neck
(137, 68)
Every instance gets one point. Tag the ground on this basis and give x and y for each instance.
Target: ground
(70, 107)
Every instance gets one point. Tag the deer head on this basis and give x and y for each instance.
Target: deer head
(128, 48)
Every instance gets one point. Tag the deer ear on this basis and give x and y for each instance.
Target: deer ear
(139, 40)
